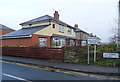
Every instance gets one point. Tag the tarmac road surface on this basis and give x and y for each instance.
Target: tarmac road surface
(11, 71)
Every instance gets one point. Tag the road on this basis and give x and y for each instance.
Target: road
(11, 71)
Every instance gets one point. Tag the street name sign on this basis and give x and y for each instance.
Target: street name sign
(110, 55)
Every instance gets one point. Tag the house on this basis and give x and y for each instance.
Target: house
(4, 29)
(44, 31)
(81, 36)
(98, 40)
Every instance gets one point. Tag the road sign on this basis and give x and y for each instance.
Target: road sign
(92, 40)
(111, 55)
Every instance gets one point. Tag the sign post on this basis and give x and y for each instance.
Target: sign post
(88, 55)
(92, 41)
(94, 53)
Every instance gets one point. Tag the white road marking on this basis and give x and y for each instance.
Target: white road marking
(16, 77)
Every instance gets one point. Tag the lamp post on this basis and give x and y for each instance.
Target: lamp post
(119, 26)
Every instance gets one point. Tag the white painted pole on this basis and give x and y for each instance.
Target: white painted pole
(88, 55)
(94, 53)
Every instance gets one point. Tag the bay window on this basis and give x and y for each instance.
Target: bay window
(58, 42)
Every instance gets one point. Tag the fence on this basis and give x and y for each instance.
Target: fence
(80, 55)
(38, 52)
(70, 54)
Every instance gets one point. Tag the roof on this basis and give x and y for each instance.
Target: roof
(45, 18)
(5, 27)
(79, 30)
(61, 36)
(24, 32)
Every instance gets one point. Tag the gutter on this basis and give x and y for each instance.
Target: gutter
(14, 37)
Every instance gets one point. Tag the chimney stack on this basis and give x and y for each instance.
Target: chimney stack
(56, 15)
(76, 25)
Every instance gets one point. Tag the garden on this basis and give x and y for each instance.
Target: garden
(79, 55)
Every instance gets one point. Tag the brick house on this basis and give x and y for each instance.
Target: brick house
(4, 29)
(44, 31)
(81, 36)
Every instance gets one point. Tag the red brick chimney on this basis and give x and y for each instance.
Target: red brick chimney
(56, 15)
(76, 25)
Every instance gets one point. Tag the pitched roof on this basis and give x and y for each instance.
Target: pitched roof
(24, 32)
(45, 18)
(5, 27)
(79, 30)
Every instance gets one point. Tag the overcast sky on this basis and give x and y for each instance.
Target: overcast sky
(94, 16)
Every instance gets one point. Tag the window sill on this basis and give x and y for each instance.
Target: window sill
(61, 32)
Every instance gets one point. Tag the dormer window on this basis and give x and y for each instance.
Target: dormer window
(61, 28)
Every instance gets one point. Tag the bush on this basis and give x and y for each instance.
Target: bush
(107, 48)
(79, 55)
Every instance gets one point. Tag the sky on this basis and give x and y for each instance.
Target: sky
(93, 16)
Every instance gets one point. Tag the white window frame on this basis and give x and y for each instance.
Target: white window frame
(61, 28)
(61, 42)
(42, 41)
(69, 31)
(71, 42)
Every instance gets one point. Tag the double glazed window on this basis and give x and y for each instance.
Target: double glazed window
(71, 42)
(58, 42)
(43, 41)
(61, 28)
(69, 31)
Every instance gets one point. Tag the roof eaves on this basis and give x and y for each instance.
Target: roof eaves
(13, 37)
(29, 22)
(6, 28)
(23, 32)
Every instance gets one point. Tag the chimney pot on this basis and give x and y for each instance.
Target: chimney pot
(76, 25)
(56, 15)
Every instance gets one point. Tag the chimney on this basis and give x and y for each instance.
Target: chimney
(56, 15)
(76, 25)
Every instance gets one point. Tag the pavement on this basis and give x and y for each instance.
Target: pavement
(92, 69)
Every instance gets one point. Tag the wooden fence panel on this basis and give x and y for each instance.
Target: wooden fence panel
(39, 52)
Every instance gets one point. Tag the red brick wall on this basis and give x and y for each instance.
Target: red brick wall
(17, 42)
(34, 40)
(2, 32)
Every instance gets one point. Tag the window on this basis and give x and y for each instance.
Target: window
(63, 42)
(53, 26)
(58, 42)
(42, 41)
(69, 31)
(71, 42)
(83, 43)
(61, 28)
